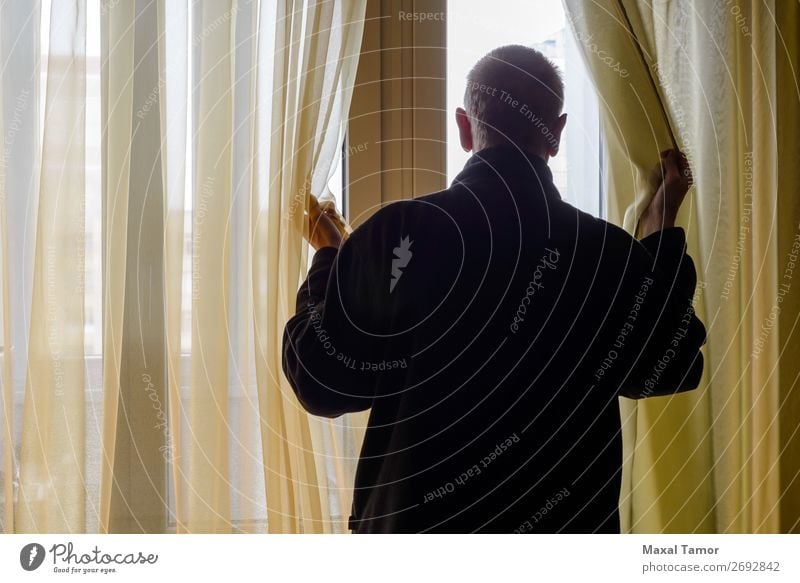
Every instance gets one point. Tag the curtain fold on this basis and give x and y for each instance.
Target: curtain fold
(787, 17)
(707, 76)
(6, 391)
(19, 177)
(208, 500)
(52, 472)
(117, 32)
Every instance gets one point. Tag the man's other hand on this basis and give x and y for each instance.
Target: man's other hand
(322, 230)
(672, 179)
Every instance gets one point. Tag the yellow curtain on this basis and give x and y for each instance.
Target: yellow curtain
(181, 142)
(715, 80)
(267, 82)
(312, 76)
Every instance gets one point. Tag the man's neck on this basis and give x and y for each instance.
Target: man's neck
(531, 150)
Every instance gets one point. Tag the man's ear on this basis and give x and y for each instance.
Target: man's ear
(558, 127)
(464, 129)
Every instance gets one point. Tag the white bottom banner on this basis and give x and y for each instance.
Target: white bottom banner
(389, 558)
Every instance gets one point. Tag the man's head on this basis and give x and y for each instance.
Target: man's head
(514, 94)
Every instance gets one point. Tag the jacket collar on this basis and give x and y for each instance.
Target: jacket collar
(513, 165)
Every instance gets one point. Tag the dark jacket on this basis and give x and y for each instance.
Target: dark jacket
(490, 328)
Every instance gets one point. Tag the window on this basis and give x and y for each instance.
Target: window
(394, 88)
(474, 27)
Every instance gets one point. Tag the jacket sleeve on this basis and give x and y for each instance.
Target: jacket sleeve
(659, 329)
(320, 374)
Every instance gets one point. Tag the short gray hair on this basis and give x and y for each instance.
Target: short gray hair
(508, 87)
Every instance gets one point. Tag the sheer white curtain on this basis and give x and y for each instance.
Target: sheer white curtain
(19, 127)
(45, 401)
(152, 244)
